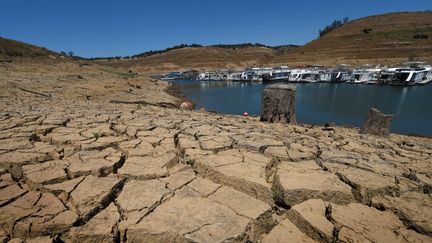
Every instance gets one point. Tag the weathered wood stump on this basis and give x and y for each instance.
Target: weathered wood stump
(278, 103)
(377, 123)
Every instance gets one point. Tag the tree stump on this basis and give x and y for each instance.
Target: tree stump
(377, 123)
(278, 103)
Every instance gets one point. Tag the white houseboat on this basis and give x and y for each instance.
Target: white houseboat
(295, 75)
(278, 74)
(365, 75)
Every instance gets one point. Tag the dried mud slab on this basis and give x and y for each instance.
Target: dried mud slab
(354, 222)
(93, 194)
(244, 171)
(138, 198)
(358, 223)
(286, 232)
(36, 214)
(413, 209)
(101, 228)
(148, 167)
(300, 181)
(193, 217)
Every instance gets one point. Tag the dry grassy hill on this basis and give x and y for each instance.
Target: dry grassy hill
(381, 39)
(198, 58)
(30, 72)
(11, 49)
(387, 38)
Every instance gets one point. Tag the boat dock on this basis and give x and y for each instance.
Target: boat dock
(410, 73)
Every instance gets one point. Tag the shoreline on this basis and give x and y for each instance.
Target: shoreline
(180, 93)
(175, 91)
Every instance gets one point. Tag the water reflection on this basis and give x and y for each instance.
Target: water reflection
(401, 100)
(321, 103)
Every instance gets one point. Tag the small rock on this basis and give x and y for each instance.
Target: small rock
(186, 105)
(409, 143)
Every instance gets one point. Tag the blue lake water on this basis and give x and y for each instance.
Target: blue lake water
(318, 103)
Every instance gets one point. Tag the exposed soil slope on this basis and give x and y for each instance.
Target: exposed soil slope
(29, 71)
(387, 38)
(11, 49)
(198, 58)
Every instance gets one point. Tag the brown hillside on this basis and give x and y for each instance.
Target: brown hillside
(381, 39)
(31, 73)
(11, 49)
(387, 38)
(198, 58)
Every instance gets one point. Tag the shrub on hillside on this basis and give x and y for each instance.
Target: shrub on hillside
(235, 46)
(367, 30)
(420, 36)
(149, 53)
(336, 24)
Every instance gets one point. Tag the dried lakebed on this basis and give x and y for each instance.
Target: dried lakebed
(148, 174)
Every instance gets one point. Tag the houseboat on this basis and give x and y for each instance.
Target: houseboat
(364, 75)
(295, 75)
(386, 75)
(172, 76)
(341, 74)
(412, 73)
(235, 77)
(405, 76)
(428, 76)
(250, 76)
(207, 76)
(278, 74)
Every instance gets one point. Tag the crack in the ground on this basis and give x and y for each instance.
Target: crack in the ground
(115, 229)
(197, 229)
(104, 203)
(119, 164)
(336, 228)
(154, 206)
(259, 226)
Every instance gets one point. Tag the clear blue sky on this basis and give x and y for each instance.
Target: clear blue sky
(113, 27)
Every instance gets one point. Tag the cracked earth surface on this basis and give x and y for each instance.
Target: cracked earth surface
(154, 174)
(108, 172)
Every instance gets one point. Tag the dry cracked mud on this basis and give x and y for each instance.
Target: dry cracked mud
(94, 171)
(155, 175)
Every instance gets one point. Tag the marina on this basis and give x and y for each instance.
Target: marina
(320, 103)
(410, 73)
